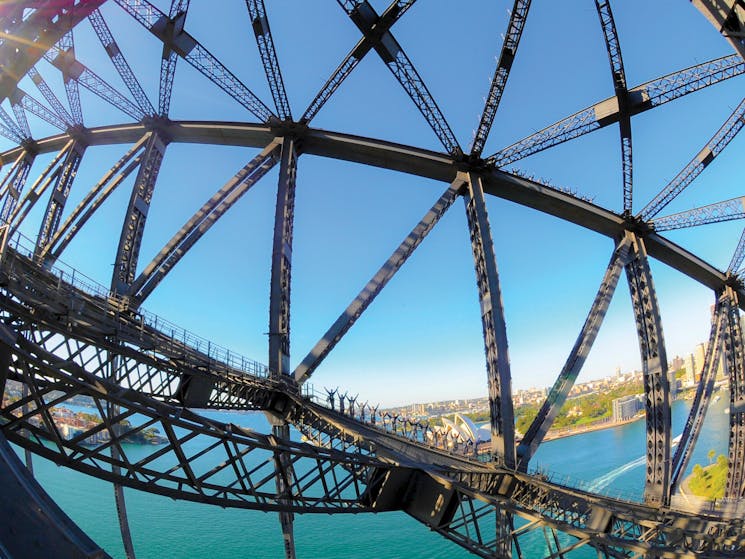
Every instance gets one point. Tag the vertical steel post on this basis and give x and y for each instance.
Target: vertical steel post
(13, 185)
(735, 360)
(492, 320)
(279, 314)
(125, 267)
(279, 302)
(654, 367)
(125, 264)
(58, 198)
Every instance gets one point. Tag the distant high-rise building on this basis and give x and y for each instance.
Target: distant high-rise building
(677, 363)
(689, 363)
(698, 359)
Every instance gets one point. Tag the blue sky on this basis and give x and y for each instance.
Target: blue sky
(421, 339)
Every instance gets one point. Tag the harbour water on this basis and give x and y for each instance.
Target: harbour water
(609, 460)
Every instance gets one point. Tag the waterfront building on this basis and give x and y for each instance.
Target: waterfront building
(627, 407)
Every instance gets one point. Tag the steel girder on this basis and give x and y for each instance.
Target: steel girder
(52, 360)
(260, 25)
(93, 200)
(728, 16)
(56, 205)
(21, 99)
(734, 355)
(613, 47)
(121, 64)
(515, 27)
(411, 160)
(395, 10)
(393, 56)
(727, 210)
(170, 31)
(127, 253)
(474, 497)
(320, 480)
(682, 180)
(13, 183)
(38, 32)
(50, 97)
(705, 387)
(386, 272)
(654, 368)
(279, 315)
(640, 98)
(176, 19)
(492, 320)
(568, 375)
(202, 221)
(51, 173)
(279, 297)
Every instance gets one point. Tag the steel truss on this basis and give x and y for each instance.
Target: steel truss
(63, 336)
(654, 367)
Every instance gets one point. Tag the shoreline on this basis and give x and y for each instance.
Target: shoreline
(551, 436)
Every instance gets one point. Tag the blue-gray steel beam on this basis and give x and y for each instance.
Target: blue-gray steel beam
(8, 133)
(506, 58)
(728, 17)
(734, 355)
(29, 40)
(283, 467)
(640, 98)
(279, 294)
(13, 183)
(32, 521)
(16, 134)
(694, 168)
(392, 14)
(702, 398)
(120, 63)
(365, 18)
(492, 319)
(737, 256)
(58, 198)
(50, 97)
(573, 365)
(279, 319)
(76, 72)
(321, 480)
(371, 290)
(175, 38)
(410, 160)
(116, 455)
(169, 59)
(613, 47)
(128, 251)
(33, 106)
(727, 210)
(260, 25)
(92, 201)
(20, 211)
(67, 44)
(21, 119)
(654, 368)
(202, 221)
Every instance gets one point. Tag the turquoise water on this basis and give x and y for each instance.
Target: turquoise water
(164, 528)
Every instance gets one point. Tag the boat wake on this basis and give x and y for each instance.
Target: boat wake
(600, 483)
(605, 480)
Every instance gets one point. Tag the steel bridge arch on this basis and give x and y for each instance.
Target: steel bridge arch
(378, 465)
